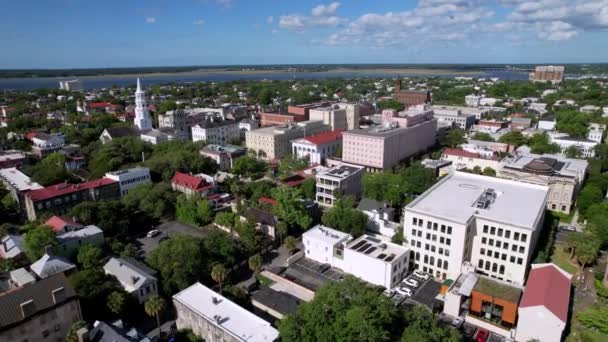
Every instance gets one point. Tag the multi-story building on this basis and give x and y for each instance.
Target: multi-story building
(380, 217)
(543, 73)
(12, 159)
(340, 180)
(275, 142)
(585, 146)
(373, 260)
(39, 311)
(596, 132)
(279, 119)
(130, 178)
(216, 318)
(247, 125)
(401, 136)
(492, 223)
(564, 176)
(44, 144)
(134, 279)
(479, 113)
(454, 115)
(411, 97)
(472, 100)
(223, 155)
(71, 85)
(318, 147)
(17, 183)
(304, 109)
(184, 119)
(60, 198)
(465, 158)
(193, 185)
(216, 132)
(338, 116)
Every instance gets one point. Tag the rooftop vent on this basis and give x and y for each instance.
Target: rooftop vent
(215, 300)
(485, 199)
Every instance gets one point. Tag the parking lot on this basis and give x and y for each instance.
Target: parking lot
(309, 274)
(426, 293)
(167, 229)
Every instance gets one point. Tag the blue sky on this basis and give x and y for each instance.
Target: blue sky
(124, 33)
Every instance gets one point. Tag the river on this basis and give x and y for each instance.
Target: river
(96, 82)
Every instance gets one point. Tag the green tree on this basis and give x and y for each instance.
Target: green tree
(357, 313)
(398, 237)
(117, 301)
(181, 250)
(391, 104)
(155, 200)
(154, 306)
(421, 326)
(586, 250)
(117, 154)
(255, 263)
(226, 219)
(482, 136)
(289, 165)
(589, 195)
(343, 217)
(595, 317)
(204, 212)
(514, 138)
(37, 240)
(573, 122)
(291, 243)
(282, 229)
(541, 144)
(50, 170)
(166, 106)
(488, 171)
(93, 287)
(248, 166)
(172, 156)
(218, 274)
(573, 152)
(290, 208)
(309, 188)
(89, 256)
(454, 137)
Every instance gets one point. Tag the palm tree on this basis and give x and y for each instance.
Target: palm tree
(218, 274)
(116, 302)
(255, 263)
(290, 243)
(153, 307)
(282, 230)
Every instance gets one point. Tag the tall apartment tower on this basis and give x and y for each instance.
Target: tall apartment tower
(142, 115)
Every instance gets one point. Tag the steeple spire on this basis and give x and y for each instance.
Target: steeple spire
(142, 115)
(138, 86)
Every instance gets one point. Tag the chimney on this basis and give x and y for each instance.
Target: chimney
(28, 308)
(58, 295)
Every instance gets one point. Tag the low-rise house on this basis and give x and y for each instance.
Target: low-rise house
(111, 133)
(133, 278)
(71, 241)
(466, 159)
(520, 124)
(318, 147)
(371, 259)
(265, 221)
(11, 246)
(223, 155)
(380, 217)
(157, 136)
(130, 178)
(17, 183)
(10, 159)
(340, 180)
(40, 311)
(50, 264)
(590, 109)
(44, 144)
(547, 123)
(439, 167)
(113, 332)
(214, 317)
(274, 303)
(193, 185)
(62, 225)
(543, 310)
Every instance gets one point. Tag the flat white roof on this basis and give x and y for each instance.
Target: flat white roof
(229, 316)
(18, 179)
(322, 233)
(455, 197)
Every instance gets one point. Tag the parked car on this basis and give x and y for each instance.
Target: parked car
(405, 291)
(482, 335)
(153, 233)
(567, 228)
(421, 275)
(457, 322)
(411, 282)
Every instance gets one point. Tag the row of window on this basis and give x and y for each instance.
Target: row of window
(430, 260)
(135, 180)
(504, 245)
(432, 225)
(507, 233)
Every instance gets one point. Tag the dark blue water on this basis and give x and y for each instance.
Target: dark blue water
(95, 82)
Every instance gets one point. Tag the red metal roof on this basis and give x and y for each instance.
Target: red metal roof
(268, 201)
(548, 286)
(99, 104)
(460, 153)
(325, 137)
(58, 223)
(66, 188)
(190, 181)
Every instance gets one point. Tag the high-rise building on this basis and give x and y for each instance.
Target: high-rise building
(142, 115)
(342, 116)
(542, 73)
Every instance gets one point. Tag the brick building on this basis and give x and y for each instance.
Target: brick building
(411, 97)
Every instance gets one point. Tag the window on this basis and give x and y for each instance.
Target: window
(491, 242)
(516, 236)
(496, 254)
(450, 230)
(482, 251)
(448, 241)
(433, 248)
(520, 261)
(439, 263)
(521, 249)
(505, 245)
(494, 267)
(500, 232)
(428, 236)
(445, 266)
(524, 237)
(443, 229)
(504, 257)
(414, 232)
(432, 261)
(426, 246)
(508, 234)
(553, 206)
(420, 222)
(485, 229)
(497, 243)
(493, 230)
(484, 240)
(434, 237)
(501, 270)
(487, 266)
(441, 239)
(480, 264)
(428, 224)
(414, 221)
(512, 259)
(426, 259)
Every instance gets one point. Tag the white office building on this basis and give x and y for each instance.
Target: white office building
(455, 116)
(344, 179)
(216, 131)
(371, 259)
(585, 146)
(338, 116)
(130, 178)
(492, 223)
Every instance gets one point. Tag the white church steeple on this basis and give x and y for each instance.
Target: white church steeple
(142, 115)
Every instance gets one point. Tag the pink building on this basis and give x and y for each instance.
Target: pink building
(400, 136)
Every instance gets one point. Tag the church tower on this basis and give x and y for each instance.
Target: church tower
(142, 115)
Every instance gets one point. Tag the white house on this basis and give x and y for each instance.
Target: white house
(130, 178)
(215, 131)
(585, 146)
(342, 180)
(543, 309)
(135, 280)
(380, 217)
(318, 147)
(492, 222)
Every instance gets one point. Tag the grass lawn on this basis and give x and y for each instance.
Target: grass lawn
(562, 259)
(263, 280)
(563, 217)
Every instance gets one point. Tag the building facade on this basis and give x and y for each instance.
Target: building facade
(551, 73)
(130, 178)
(216, 131)
(318, 147)
(275, 142)
(223, 155)
(133, 279)
(492, 223)
(338, 116)
(193, 185)
(338, 181)
(17, 183)
(454, 116)
(411, 97)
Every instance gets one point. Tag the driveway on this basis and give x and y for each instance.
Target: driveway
(167, 229)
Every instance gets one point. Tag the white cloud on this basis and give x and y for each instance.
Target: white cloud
(199, 22)
(150, 20)
(270, 19)
(224, 3)
(325, 10)
(322, 16)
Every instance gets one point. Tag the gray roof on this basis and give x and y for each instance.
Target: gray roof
(41, 293)
(281, 302)
(368, 204)
(11, 246)
(130, 276)
(49, 265)
(119, 132)
(261, 216)
(115, 332)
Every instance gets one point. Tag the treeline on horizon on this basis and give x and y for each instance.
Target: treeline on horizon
(35, 73)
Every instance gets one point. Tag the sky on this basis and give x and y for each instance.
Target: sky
(137, 33)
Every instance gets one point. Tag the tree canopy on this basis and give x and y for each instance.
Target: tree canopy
(37, 239)
(398, 187)
(343, 217)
